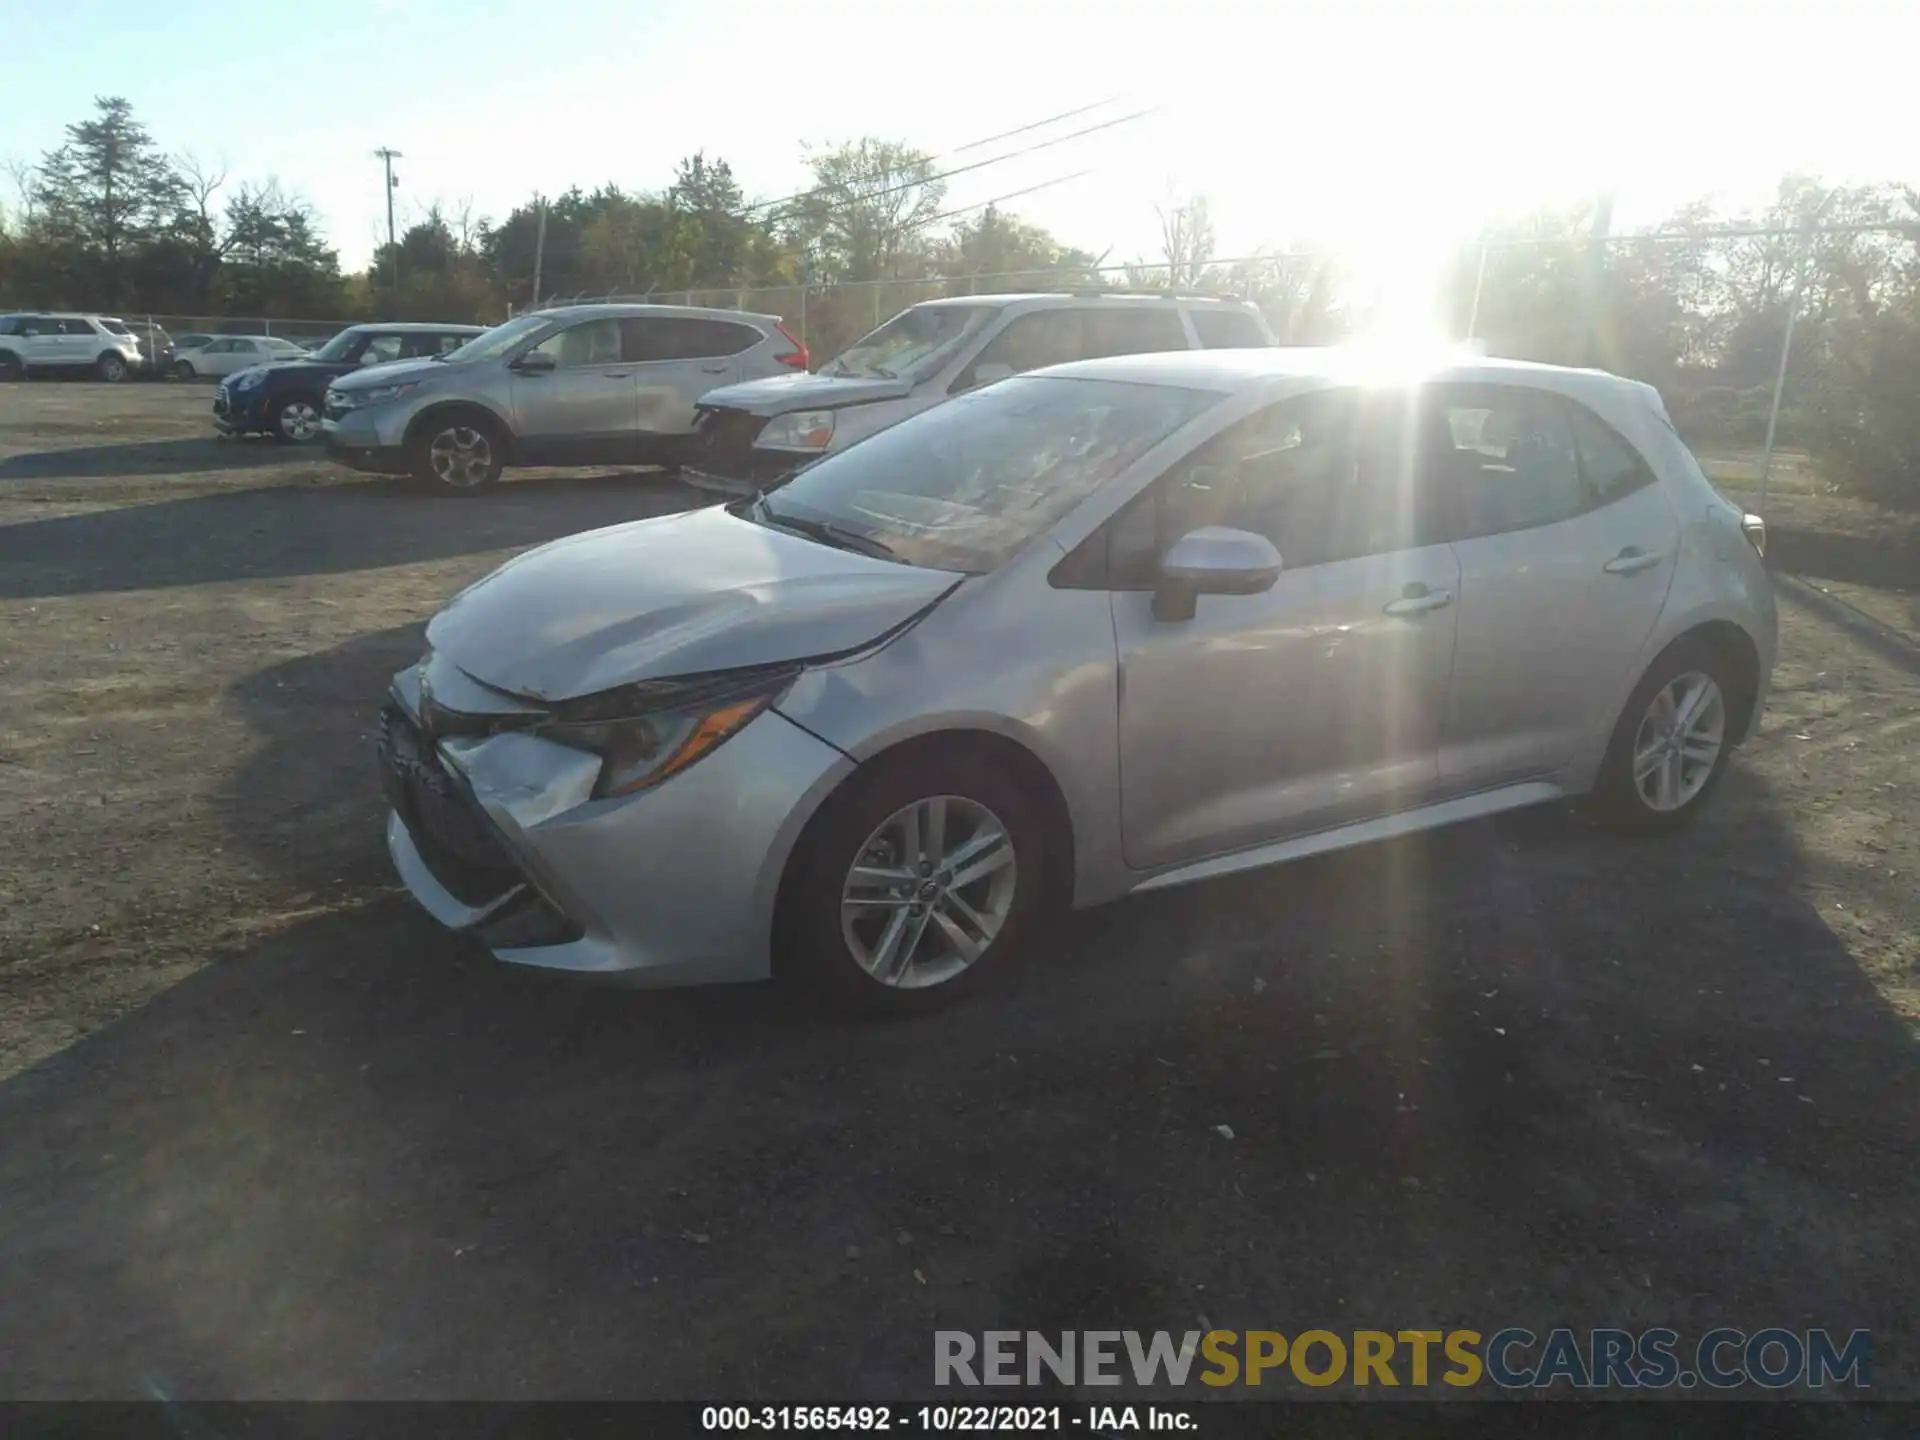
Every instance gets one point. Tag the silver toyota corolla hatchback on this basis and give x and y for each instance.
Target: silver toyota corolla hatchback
(1098, 629)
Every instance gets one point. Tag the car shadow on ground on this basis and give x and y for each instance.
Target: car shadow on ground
(188, 455)
(1890, 561)
(279, 531)
(1512, 1073)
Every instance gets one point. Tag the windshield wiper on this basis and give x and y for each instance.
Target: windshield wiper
(825, 531)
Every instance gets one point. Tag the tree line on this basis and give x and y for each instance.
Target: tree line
(110, 221)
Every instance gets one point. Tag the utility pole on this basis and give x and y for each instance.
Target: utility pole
(539, 250)
(386, 154)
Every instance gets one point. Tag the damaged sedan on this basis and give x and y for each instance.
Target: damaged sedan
(1038, 645)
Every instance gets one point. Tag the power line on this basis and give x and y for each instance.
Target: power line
(964, 169)
(1010, 195)
(1036, 125)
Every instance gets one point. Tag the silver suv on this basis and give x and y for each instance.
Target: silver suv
(1101, 629)
(577, 385)
(752, 437)
(67, 342)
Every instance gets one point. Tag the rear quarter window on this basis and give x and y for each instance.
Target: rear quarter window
(1227, 330)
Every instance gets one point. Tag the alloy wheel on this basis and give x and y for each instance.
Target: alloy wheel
(461, 456)
(299, 420)
(928, 892)
(1679, 741)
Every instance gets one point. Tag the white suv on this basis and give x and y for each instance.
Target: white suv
(63, 341)
(754, 436)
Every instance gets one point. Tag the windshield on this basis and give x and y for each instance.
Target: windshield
(339, 346)
(911, 343)
(118, 327)
(966, 485)
(283, 347)
(492, 344)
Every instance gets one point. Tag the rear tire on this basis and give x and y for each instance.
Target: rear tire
(296, 420)
(183, 370)
(1671, 745)
(871, 917)
(111, 367)
(457, 453)
(11, 366)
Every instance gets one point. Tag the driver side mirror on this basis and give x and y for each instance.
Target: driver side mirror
(536, 362)
(1213, 560)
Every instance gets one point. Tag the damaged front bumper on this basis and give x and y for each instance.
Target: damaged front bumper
(497, 836)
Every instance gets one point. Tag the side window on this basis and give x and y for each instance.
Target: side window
(1042, 337)
(1610, 467)
(1320, 475)
(1496, 458)
(379, 349)
(591, 342)
(9, 324)
(1135, 330)
(446, 344)
(1225, 329)
(75, 327)
(217, 347)
(708, 339)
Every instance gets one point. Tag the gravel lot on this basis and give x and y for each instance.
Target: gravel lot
(265, 1131)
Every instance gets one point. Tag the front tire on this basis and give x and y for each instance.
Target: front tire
(183, 370)
(918, 882)
(296, 420)
(1671, 744)
(458, 454)
(11, 366)
(111, 368)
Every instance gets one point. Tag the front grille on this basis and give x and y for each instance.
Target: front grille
(455, 839)
(221, 401)
(726, 434)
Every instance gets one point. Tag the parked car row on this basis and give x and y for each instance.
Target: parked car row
(725, 394)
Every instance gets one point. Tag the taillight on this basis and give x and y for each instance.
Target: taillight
(796, 358)
(1755, 529)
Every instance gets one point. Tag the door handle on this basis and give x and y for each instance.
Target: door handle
(616, 374)
(1417, 599)
(713, 369)
(1632, 560)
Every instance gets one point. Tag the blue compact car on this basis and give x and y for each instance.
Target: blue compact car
(284, 399)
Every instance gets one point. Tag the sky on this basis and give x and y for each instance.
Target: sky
(1389, 129)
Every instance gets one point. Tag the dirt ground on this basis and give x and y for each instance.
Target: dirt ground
(265, 1131)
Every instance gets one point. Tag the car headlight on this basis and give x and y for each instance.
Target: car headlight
(378, 395)
(247, 379)
(801, 430)
(647, 733)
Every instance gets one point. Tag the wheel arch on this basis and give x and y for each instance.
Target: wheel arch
(440, 411)
(928, 747)
(1736, 649)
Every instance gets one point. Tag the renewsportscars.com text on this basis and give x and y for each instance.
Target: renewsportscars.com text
(1513, 1358)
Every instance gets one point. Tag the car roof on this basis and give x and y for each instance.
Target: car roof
(617, 309)
(1092, 298)
(415, 327)
(1233, 370)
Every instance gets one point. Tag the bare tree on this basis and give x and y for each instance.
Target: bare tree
(25, 176)
(1186, 239)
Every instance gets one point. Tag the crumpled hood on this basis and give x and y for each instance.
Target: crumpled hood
(675, 595)
(780, 394)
